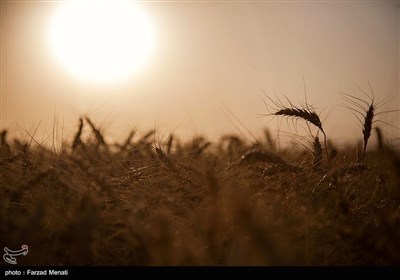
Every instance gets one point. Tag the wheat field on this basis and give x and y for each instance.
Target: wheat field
(195, 202)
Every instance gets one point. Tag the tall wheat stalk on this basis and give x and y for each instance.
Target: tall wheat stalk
(366, 112)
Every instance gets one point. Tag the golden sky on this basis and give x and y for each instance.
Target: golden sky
(209, 56)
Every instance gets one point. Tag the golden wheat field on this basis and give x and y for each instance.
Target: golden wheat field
(231, 202)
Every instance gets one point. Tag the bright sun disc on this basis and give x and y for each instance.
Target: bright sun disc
(101, 41)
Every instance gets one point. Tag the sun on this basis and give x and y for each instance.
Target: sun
(101, 41)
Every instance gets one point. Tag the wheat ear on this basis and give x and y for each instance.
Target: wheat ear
(77, 139)
(96, 132)
(307, 114)
(365, 112)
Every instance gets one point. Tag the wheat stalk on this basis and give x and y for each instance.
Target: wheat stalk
(317, 153)
(3, 140)
(307, 113)
(169, 143)
(369, 116)
(77, 139)
(364, 111)
(96, 132)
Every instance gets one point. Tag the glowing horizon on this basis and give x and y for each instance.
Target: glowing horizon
(206, 57)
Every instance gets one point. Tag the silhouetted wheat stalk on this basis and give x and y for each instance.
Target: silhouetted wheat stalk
(3, 140)
(77, 139)
(169, 143)
(307, 113)
(96, 132)
(365, 112)
(369, 116)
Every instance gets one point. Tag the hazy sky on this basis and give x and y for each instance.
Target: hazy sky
(210, 56)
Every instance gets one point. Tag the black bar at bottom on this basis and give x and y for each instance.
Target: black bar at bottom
(10, 272)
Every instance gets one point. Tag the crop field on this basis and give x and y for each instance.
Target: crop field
(195, 202)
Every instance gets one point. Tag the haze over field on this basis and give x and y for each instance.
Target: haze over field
(208, 57)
